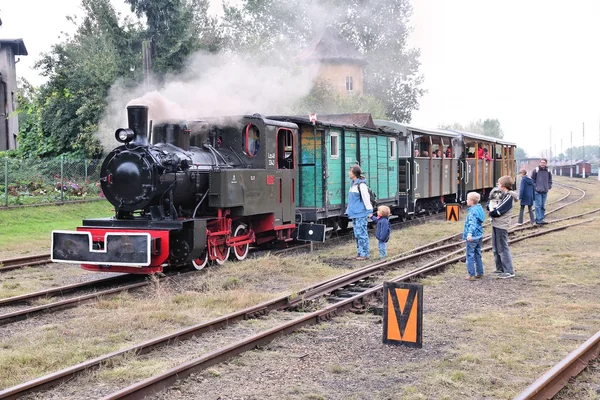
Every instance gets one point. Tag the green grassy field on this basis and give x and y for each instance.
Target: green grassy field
(27, 230)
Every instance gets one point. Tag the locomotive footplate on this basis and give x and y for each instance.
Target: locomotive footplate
(120, 248)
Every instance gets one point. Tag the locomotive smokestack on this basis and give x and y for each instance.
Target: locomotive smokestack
(137, 117)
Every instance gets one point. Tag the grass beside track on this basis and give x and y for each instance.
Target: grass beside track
(64, 339)
(25, 231)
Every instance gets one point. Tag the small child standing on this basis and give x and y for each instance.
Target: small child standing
(383, 231)
(473, 234)
(526, 196)
(500, 224)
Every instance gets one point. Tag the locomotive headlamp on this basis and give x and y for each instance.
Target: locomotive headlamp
(124, 135)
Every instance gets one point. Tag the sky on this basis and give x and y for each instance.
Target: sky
(534, 65)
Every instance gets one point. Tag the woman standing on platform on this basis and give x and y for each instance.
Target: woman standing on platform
(359, 211)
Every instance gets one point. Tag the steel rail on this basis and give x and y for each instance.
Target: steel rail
(62, 290)
(20, 262)
(63, 304)
(558, 376)
(163, 380)
(290, 301)
(251, 312)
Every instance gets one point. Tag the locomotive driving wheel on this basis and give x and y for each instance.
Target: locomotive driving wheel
(240, 252)
(202, 261)
(221, 253)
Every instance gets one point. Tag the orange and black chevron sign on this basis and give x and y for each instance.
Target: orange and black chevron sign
(452, 212)
(403, 314)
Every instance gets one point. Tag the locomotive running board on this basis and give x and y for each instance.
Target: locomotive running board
(122, 248)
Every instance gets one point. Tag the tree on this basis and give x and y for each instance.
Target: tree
(83, 67)
(378, 29)
(325, 100)
(489, 127)
(80, 71)
(520, 153)
(176, 29)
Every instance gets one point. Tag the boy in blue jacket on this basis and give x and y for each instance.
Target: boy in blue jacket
(473, 234)
(383, 231)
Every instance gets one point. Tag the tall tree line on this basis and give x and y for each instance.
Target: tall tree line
(62, 116)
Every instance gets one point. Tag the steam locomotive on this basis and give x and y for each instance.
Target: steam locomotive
(198, 191)
(203, 191)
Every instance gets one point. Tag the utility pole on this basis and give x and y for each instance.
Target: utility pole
(583, 139)
(561, 146)
(599, 150)
(583, 157)
(571, 166)
(550, 151)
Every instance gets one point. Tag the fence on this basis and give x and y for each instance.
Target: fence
(59, 180)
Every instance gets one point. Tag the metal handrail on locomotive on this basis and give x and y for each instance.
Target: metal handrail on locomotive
(206, 190)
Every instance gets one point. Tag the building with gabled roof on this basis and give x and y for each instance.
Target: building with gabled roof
(340, 63)
(9, 121)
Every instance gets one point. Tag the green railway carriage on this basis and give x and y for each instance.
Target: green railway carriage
(328, 147)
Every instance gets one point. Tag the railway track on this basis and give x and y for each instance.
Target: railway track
(359, 300)
(341, 235)
(346, 292)
(21, 262)
(123, 283)
(549, 384)
(129, 282)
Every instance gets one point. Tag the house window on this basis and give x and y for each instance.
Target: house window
(334, 146)
(349, 85)
(393, 148)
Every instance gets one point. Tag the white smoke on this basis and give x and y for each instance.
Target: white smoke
(211, 85)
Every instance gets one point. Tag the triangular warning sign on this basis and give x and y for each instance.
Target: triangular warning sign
(452, 212)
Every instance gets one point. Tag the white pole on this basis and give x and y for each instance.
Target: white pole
(571, 166)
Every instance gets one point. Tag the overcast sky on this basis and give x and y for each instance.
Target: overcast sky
(534, 64)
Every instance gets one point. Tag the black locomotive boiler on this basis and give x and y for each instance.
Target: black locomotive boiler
(195, 191)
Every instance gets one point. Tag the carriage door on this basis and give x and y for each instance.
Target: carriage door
(405, 174)
(459, 151)
(286, 174)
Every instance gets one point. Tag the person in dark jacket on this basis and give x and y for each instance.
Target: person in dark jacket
(500, 224)
(526, 196)
(542, 178)
(383, 231)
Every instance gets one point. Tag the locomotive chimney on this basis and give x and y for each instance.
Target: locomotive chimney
(137, 117)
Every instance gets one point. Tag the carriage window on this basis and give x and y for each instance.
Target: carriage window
(251, 140)
(334, 146)
(393, 148)
(285, 149)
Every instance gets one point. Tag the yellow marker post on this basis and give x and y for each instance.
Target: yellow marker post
(452, 212)
(403, 314)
